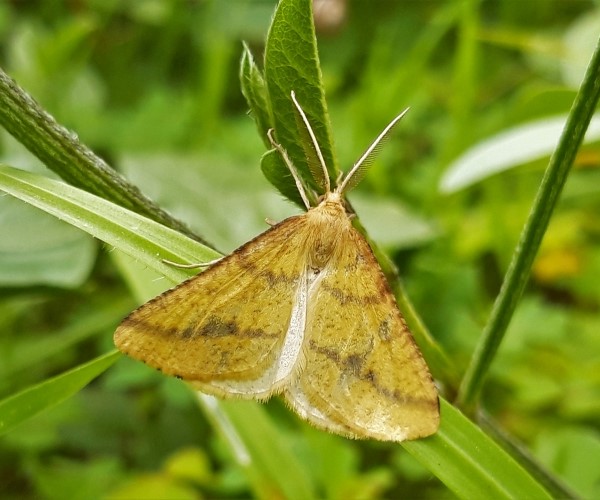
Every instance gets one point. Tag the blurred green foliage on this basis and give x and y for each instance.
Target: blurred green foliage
(153, 87)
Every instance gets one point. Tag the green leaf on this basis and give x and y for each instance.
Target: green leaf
(251, 421)
(292, 63)
(41, 250)
(26, 404)
(530, 240)
(132, 233)
(508, 149)
(470, 463)
(255, 91)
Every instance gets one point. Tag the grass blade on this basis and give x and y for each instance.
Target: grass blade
(24, 405)
(518, 272)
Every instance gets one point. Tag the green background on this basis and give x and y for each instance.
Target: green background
(153, 88)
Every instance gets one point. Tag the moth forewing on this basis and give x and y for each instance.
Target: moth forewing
(229, 322)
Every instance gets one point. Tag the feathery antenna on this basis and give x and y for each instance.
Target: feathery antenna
(359, 169)
(325, 182)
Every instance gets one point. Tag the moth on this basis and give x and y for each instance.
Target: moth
(302, 311)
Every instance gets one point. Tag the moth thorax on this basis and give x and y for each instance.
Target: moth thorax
(330, 224)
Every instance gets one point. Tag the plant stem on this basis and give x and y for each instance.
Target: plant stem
(62, 152)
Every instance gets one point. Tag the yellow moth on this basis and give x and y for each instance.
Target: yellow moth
(304, 311)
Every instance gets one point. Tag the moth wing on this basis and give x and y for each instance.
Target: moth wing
(364, 375)
(224, 327)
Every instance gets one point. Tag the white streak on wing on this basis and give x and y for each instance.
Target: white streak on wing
(294, 336)
(286, 363)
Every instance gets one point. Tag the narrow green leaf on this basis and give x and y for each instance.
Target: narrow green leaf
(26, 404)
(134, 234)
(292, 63)
(251, 420)
(553, 484)
(470, 463)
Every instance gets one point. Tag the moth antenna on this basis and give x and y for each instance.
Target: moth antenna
(324, 178)
(290, 167)
(359, 169)
(312, 158)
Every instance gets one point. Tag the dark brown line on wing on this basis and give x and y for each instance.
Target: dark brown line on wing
(353, 365)
(213, 328)
(263, 272)
(348, 298)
